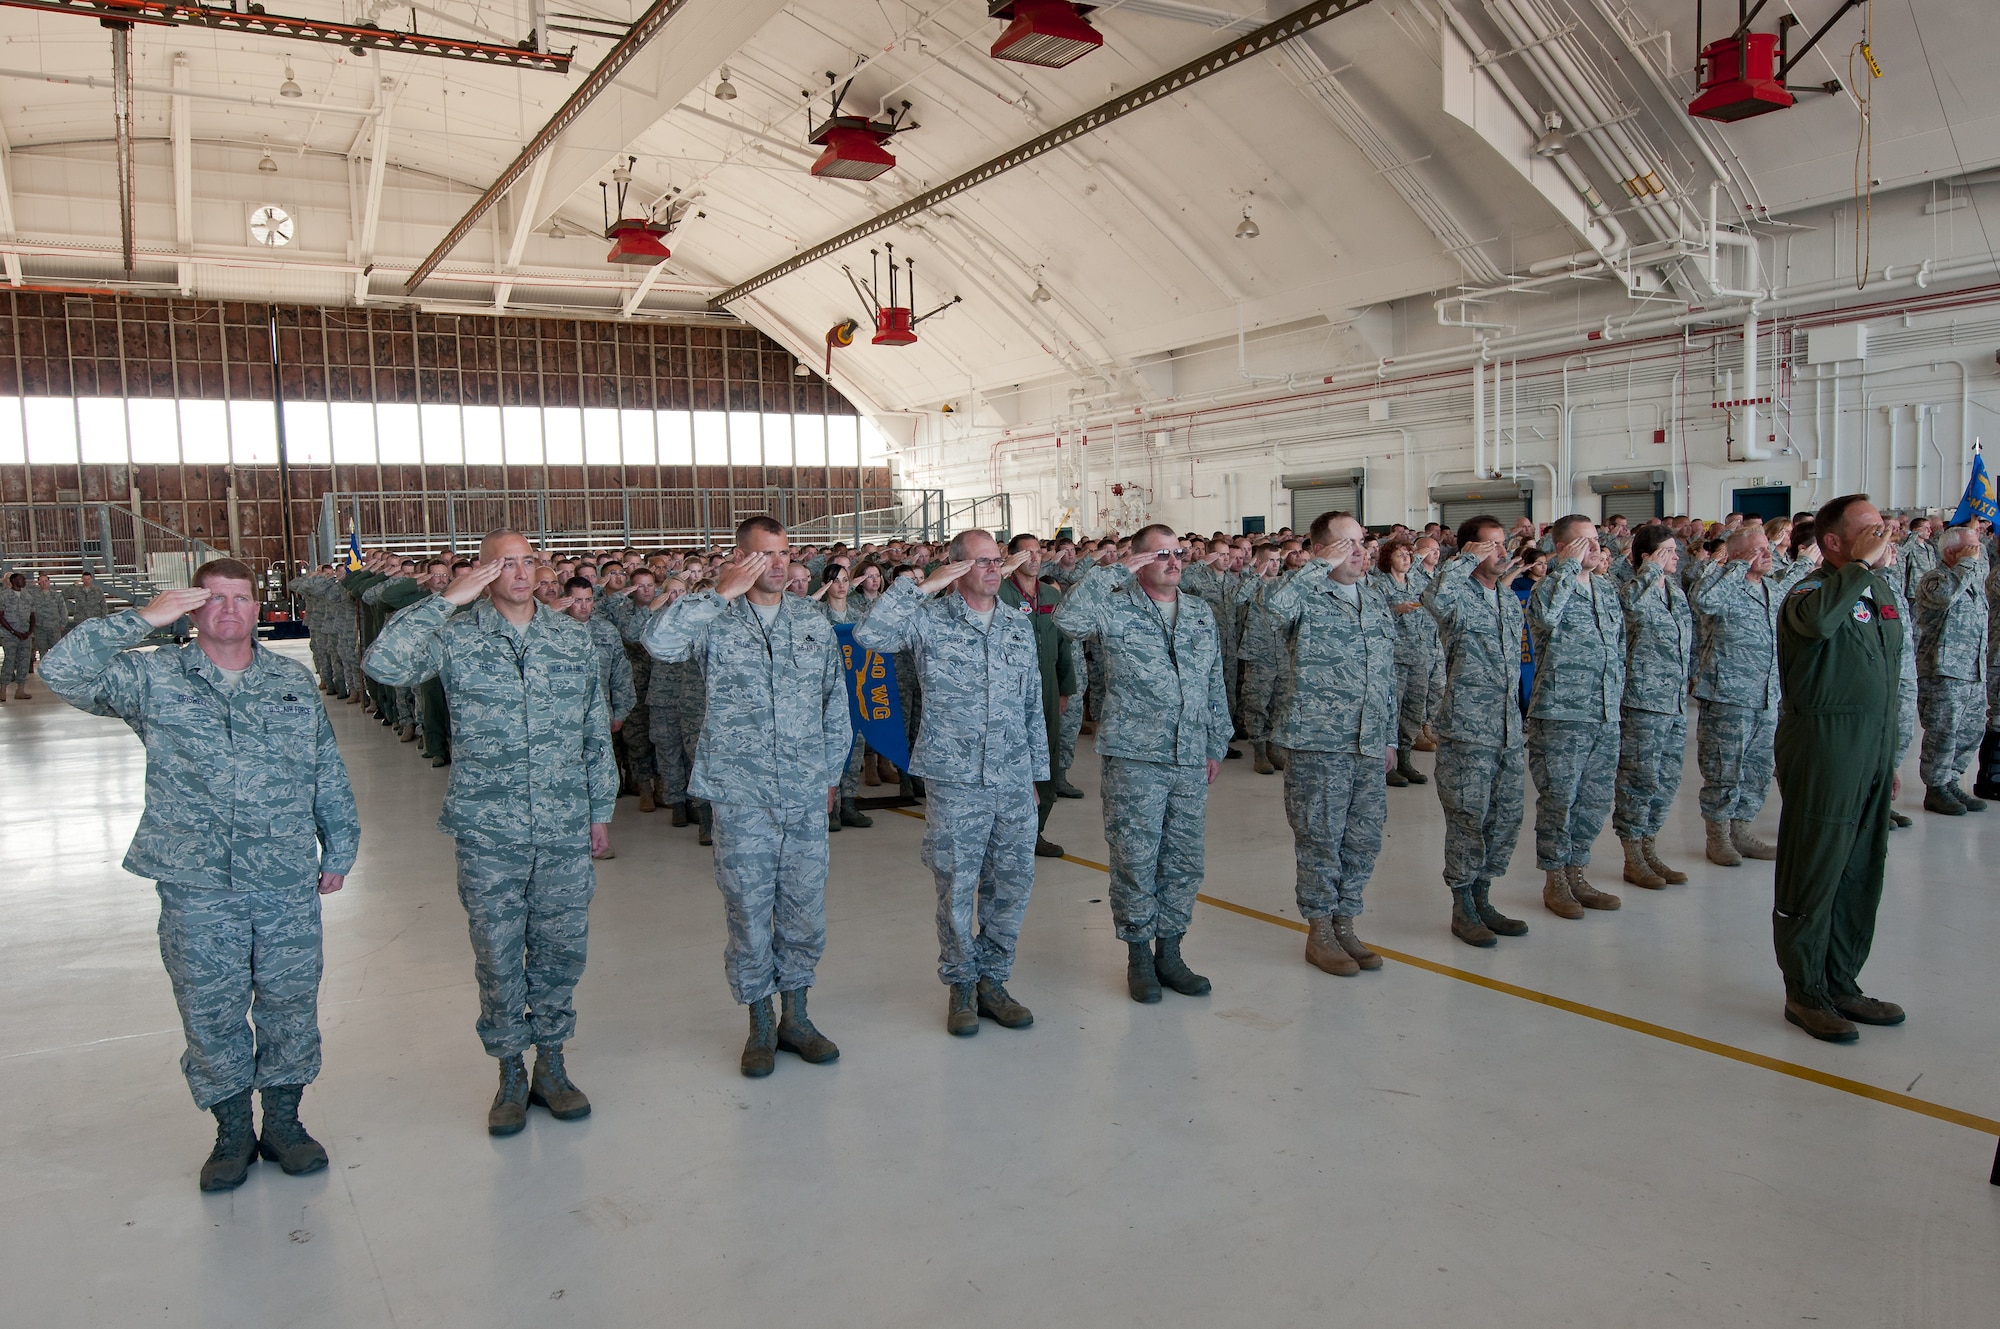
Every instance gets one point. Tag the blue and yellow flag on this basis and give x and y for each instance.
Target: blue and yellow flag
(353, 552)
(872, 701)
(1978, 500)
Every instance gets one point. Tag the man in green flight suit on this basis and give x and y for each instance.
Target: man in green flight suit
(1840, 642)
(1024, 591)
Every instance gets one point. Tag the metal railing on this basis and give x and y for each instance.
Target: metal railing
(571, 521)
(128, 553)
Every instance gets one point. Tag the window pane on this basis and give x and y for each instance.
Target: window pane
(100, 424)
(600, 436)
(874, 443)
(777, 440)
(711, 438)
(810, 432)
(155, 429)
(637, 429)
(843, 441)
(676, 438)
(562, 435)
(308, 433)
(51, 428)
(521, 426)
(442, 443)
(204, 432)
(253, 433)
(397, 434)
(482, 436)
(13, 443)
(353, 432)
(746, 443)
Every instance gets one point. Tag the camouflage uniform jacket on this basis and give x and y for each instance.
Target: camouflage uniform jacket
(614, 669)
(1578, 634)
(17, 612)
(1738, 664)
(1343, 663)
(245, 788)
(530, 736)
(621, 611)
(87, 602)
(1659, 643)
(1914, 557)
(1213, 589)
(1258, 636)
(1164, 700)
(1908, 672)
(983, 722)
(51, 612)
(1416, 631)
(1481, 631)
(1951, 622)
(775, 731)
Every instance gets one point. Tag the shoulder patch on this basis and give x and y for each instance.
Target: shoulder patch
(1805, 586)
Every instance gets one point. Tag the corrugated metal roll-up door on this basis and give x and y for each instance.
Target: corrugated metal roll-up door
(1638, 495)
(1334, 491)
(1637, 507)
(1506, 501)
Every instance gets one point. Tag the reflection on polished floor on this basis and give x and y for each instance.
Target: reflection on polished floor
(1403, 1147)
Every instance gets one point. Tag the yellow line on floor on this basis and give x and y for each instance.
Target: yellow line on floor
(1920, 1106)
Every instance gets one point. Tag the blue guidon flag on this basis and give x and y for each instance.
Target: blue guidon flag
(872, 701)
(1978, 500)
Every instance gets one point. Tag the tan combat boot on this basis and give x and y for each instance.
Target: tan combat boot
(1669, 875)
(1343, 932)
(1556, 896)
(1720, 851)
(1637, 870)
(1747, 844)
(1276, 755)
(1588, 895)
(647, 802)
(1261, 763)
(1324, 951)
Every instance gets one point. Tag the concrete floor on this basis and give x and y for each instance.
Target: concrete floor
(1404, 1147)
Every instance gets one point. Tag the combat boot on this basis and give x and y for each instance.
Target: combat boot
(551, 1088)
(1747, 844)
(1173, 971)
(1829, 1026)
(1395, 778)
(853, 816)
(1141, 979)
(647, 803)
(284, 1140)
(1556, 897)
(904, 789)
(961, 1016)
(509, 1112)
(1426, 741)
(796, 1033)
(1262, 765)
(1047, 848)
(235, 1143)
(1637, 870)
(760, 1049)
(1899, 821)
(997, 1005)
(1648, 847)
(1064, 789)
(1466, 924)
(1276, 755)
(1720, 851)
(871, 774)
(680, 817)
(1324, 951)
(1970, 802)
(1588, 895)
(706, 816)
(833, 821)
(1410, 774)
(1938, 799)
(1343, 932)
(407, 734)
(1986, 779)
(1498, 923)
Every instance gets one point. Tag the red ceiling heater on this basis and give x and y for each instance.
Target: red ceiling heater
(895, 325)
(638, 241)
(1049, 33)
(1743, 74)
(853, 143)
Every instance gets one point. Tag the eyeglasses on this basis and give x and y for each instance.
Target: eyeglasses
(986, 564)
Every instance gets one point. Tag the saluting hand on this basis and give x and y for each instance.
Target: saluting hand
(1871, 546)
(1577, 549)
(1014, 562)
(945, 576)
(737, 577)
(467, 585)
(1335, 552)
(167, 607)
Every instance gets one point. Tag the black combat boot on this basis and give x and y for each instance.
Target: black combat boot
(284, 1140)
(1173, 971)
(853, 816)
(1141, 980)
(235, 1145)
(760, 1049)
(550, 1086)
(796, 1033)
(681, 813)
(1986, 779)
(1409, 772)
(706, 816)
(509, 1112)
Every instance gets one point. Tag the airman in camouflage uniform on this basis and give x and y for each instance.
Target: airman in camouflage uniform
(1951, 670)
(1264, 664)
(1916, 555)
(1736, 681)
(1336, 727)
(1578, 630)
(1481, 766)
(676, 700)
(774, 738)
(87, 600)
(1419, 668)
(1165, 729)
(1906, 686)
(248, 820)
(533, 784)
(1214, 579)
(299, 588)
(51, 614)
(634, 742)
(1652, 734)
(982, 747)
(18, 623)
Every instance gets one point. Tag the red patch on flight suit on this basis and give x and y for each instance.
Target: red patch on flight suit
(1889, 611)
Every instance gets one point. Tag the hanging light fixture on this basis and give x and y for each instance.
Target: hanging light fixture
(1041, 295)
(265, 164)
(556, 231)
(290, 87)
(1247, 229)
(725, 91)
(1553, 142)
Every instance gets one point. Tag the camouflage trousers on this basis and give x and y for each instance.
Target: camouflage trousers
(1419, 691)
(1954, 716)
(1735, 748)
(672, 746)
(1336, 804)
(346, 649)
(1652, 751)
(1574, 765)
(1481, 790)
(1906, 717)
(1263, 690)
(529, 911)
(434, 719)
(1094, 694)
(405, 710)
(322, 654)
(637, 736)
(1072, 718)
(1232, 675)
(245, 966)
(850, 774)
(1155, 816)
(19, 655)
(770, 863)
(979, 843)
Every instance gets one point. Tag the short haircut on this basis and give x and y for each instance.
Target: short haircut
(1323, 523)
(1834, 511)
(1649, 540)
(1803, 535)
(437, 563)
(219, 569)
(1957, 535)
(643, 571)
(1560, 532)
(495, 536)
(1157, 528)
(575, 584)
(1014, 545)
(955, 552)
(1470, 531)
(761, 523)
(1388, 550)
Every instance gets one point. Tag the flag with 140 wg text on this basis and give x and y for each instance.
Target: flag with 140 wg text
(872, 702)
